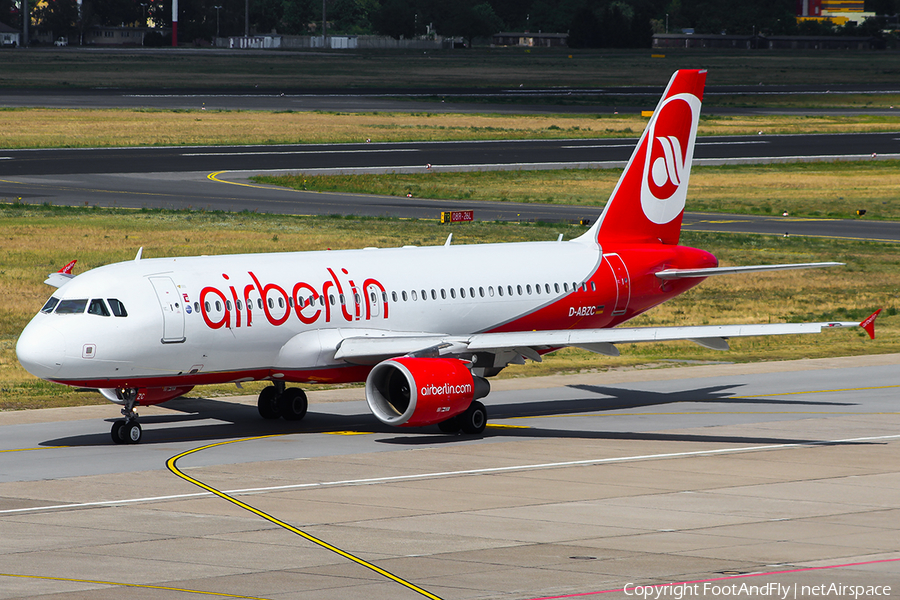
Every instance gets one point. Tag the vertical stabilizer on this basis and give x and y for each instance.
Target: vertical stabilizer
(648, 202)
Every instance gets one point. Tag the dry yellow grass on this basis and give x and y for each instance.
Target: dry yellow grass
(46, 128)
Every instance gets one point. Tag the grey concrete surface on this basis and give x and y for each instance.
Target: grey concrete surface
(771, 473)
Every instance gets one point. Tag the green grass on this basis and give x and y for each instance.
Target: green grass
(100, 236)
(834, 190)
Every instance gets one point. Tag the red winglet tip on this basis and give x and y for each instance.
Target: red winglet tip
(68, 268)
(869, 324)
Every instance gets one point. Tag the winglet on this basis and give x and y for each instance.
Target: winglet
(61, 277)
(869, 324)
(67, 270)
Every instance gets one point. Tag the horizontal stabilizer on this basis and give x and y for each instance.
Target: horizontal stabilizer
(708, 272)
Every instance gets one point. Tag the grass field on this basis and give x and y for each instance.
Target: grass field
(97, 237)
(500, 67)
(803, 189)
(67, 128)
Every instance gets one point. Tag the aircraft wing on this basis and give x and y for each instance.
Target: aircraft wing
(603, 341)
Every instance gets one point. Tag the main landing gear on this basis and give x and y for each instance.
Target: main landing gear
(277, 401)
(472, 421)
(127, 431)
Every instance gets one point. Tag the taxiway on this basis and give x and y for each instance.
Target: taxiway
(783, 473)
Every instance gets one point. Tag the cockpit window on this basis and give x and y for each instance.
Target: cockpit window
(117, 307)
(71, 307)
(97, 307)
(51, 304)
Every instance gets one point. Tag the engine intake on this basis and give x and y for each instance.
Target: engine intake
(413, 392)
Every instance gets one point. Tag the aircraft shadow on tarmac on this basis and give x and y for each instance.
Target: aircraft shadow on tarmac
(204, 419)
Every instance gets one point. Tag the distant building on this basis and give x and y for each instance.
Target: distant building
(836, 11)
(9, 36)
(693, 40)
(528, 39)
(774, 42)
(115, 36)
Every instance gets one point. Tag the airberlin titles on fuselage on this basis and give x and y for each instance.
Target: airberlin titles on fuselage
(235, 306)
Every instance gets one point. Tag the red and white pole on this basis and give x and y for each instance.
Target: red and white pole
(174, 23)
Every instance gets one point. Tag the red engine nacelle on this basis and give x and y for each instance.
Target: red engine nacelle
(412, 392)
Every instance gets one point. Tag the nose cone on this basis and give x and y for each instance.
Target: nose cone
(40, 349)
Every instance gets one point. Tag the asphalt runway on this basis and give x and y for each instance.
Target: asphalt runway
(162, 177)
(770, 474)
(606, 100)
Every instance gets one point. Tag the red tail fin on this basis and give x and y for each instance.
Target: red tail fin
(648, 202)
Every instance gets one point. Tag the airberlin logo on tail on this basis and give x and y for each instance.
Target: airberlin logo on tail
(667, 164)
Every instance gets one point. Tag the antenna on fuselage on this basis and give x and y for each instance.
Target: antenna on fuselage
(137, 256)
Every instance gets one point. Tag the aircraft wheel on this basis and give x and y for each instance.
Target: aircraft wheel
(117, 433)
(268, 403)
(292, 404)
(474, 420)
(451, 425)
(132, 432)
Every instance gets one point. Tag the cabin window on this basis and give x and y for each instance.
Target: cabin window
(537, 288)
(433, 294)
(462, 292)
(290, 302)
(443, 294)
(593, 286)
(97, 307)
(372, 296)
(270, 302)
(481, 292)
(113, 306)
(510, 291)
(239, 305)
(453, 292)
(331, 299)
(341, 297)
(519, 289)
(491, 291)
(566, 286)
(51, 304)
(207, 307)
(499, 289)
(218, 305)
(547, 287)
(472, 292)
(555, 287)
(228, 304)
(394, 296)
(415, 296)
(403, 294)
(259, 303)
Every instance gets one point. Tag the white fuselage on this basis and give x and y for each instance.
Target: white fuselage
(230, 318)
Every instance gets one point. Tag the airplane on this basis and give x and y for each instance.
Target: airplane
(423, 327)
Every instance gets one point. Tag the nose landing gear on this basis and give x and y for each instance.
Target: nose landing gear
(127, 431)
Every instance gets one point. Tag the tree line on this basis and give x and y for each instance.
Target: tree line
(589, 23)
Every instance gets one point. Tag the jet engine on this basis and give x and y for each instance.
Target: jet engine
(413, 392)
